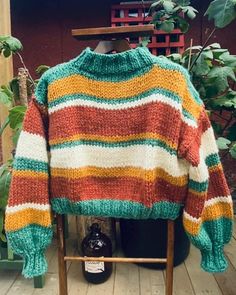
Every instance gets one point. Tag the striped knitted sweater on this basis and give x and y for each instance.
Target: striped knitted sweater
(122, 135)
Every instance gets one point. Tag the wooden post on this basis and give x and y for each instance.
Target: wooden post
(61, 254)
(6, 74)
(170, 257)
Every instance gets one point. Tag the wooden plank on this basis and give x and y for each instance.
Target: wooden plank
(7, 280)
(113, 32)
(76, 282)
(126, 279)
(22, 286)
(234, 228)
(202, 282)
(50, 288)
(151, 281)
(182, 281)
(6, 74)
(227, 280)
(104, 288)
(230, 251)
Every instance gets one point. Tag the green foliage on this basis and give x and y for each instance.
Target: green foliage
(9, 45)
(223, 143)
(168, 14)
(223, 12)
(5, 179)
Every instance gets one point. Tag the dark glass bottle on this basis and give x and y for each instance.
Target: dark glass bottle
(96, 244)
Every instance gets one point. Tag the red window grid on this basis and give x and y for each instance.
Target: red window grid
(162, 43)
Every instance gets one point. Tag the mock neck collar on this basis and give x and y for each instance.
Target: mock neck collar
(111, 64)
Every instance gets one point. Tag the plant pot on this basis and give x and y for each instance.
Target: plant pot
(148, 239)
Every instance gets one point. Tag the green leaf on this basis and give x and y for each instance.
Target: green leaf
(182, 24)
(176, 57)
(183, 2)
(232, 132)
(14, 44)
(16, 135)
(5, 98)
(223, 12)
(6, 51)
(228, 59)
(4, 125)
(213, 46)
(233, 151)
(223, 143)
(218, 52)
(16, 116)
(222, 74)
(191, 12)
(43, 68)
(168, 5)
(167, 26)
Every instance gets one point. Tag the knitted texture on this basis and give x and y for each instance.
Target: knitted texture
(121, 135)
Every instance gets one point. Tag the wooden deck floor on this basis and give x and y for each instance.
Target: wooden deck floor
(128, 279)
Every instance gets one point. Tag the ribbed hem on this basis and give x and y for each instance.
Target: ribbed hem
(35, 264)
(116, 209)
(109, 64)
(214, 260)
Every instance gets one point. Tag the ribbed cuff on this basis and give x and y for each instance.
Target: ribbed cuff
(35, 264)
(214, 260)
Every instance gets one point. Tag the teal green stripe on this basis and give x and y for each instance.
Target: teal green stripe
(31, 242)
(212, 160)
(151, 142)
(21, 163)
(188, 115)
(116, 208)
(212, 237)
(65, 70)
(123, 100)
(198, 186)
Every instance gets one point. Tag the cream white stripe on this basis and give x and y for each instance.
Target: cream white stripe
(32, 146)
(118, 106)
(211, 202)
(191, 218)
(208, 143)
(146, 157)
(17, 208)
(189, 122)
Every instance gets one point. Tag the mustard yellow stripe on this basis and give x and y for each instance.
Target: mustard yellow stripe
(30, 174)
(191, 227)
(156, 77)
(147, 175)
(198, 194)
(210, 213)
(95, 137)
(20, 219)
(215, 168)
(217, 210)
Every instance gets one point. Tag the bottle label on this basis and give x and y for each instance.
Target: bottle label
(94, 266)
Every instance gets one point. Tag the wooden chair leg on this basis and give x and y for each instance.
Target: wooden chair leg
(170, 258)
(61, 254)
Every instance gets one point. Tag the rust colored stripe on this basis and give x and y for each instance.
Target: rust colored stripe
(86, 120)
(25, 189)
(128, 188)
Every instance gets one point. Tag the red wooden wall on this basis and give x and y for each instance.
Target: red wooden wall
(44, 28)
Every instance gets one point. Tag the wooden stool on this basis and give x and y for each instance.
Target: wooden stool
(62, 258)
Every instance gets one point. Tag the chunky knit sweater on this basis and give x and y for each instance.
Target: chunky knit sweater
(120, 135)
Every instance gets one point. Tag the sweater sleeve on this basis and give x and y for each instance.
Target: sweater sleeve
(28, 222)
(208, 213)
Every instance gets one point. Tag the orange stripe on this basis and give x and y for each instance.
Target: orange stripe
(20, 219)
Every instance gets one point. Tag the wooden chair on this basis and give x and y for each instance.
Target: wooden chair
(109, 33)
